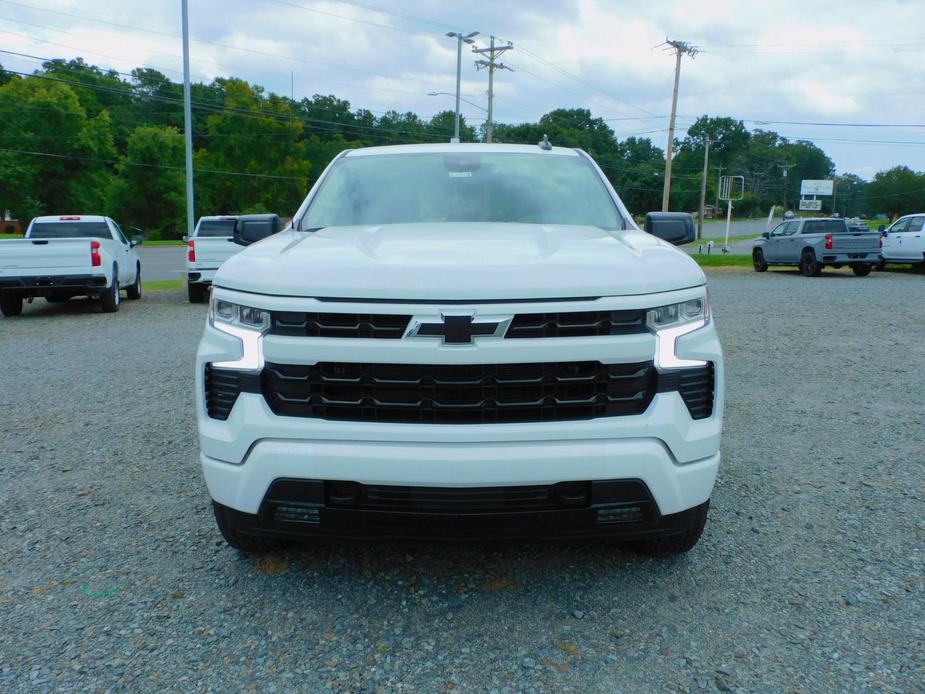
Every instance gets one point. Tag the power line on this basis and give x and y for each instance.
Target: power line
(149, 166)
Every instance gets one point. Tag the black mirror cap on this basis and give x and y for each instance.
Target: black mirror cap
(882, 227)
(250, 228)
(673, 227)
(136, 241)
(766, 234)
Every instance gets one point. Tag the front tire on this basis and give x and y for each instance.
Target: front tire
(808, 265)
(242, 541)
(134, 291)
(111, 298)
(674, 545)
(10, 305)
(862, 269)
(197, 293)
(758, 261)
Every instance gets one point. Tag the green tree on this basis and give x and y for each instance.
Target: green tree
(149, 191)
(443, 125)
(61, 159)
(850, 195)
(896, 192)
(255, 159)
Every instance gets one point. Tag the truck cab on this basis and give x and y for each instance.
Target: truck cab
(904, 241)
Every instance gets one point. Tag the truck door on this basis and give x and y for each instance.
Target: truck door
(892, 242)
(772, 247)
(911, 243)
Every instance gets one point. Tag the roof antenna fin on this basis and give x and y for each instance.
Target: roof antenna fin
(545, 143)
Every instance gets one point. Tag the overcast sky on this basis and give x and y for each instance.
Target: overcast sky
(852, 61)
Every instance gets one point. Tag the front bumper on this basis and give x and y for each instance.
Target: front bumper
(675, 456)
(46, 285)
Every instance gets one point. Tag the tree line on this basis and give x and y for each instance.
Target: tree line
(77, 138)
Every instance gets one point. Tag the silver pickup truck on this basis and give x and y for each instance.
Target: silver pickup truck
(813, 244)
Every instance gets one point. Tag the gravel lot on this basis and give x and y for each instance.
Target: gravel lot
(810, 577)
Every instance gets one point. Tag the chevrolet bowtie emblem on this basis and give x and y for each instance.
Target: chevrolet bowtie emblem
(456, 330)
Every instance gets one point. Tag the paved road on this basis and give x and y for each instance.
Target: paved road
(162, 262)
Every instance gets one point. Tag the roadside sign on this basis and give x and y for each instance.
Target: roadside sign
(812, 205)
(731, 188)
(818, 187)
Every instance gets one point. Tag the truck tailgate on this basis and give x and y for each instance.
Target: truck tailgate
(212, 251)
(44, 256)
(858, 242)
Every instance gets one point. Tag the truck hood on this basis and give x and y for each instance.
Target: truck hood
(460, 261)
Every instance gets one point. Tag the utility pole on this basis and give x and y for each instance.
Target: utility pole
(460, 39)
(492, 52)
(703, 185)
(187, 123)
(785, 168)
(680, 48)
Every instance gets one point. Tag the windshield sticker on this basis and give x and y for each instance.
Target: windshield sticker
(460, 174)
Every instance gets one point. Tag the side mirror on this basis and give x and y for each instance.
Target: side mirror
(185, 238)
(882, 227)
(252, 228)
(766, 234)
(673, 227)
(136, 241)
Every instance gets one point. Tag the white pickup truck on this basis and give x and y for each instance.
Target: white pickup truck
(211, 244)
(463, 340)
(66, 256)
(904, 241)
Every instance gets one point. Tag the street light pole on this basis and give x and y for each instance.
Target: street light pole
(187, 124)
(460, 39)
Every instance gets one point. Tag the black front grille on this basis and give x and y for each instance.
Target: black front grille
(459, 394)
(368, 497)
(696, 386)
(222, 387)
(583, 324)
(524, 325)
(365, 325)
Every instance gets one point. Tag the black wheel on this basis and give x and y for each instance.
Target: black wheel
(881, 265)
(758, 261)
(134, 291)
(808, 265)
(675, 544)
(111, 298)
(10, 305)
(242, 541)
(197, 293)
(861, 269)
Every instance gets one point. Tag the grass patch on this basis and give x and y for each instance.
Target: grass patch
(718, 242)
(164, 242)
(159, 285)
(720, 260)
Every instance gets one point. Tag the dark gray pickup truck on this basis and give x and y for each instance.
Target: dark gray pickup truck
(812, 244)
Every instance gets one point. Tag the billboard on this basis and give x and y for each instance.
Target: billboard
(813, 205)
(810, 187)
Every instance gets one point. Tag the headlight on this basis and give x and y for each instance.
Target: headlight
(246, 323)
(681, 313)
(671, 322)
(246, 317)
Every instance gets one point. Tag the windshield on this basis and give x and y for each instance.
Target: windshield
(215, 227)
(439, 187)
(70, 230)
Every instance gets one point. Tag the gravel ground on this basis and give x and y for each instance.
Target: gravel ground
(809, 576)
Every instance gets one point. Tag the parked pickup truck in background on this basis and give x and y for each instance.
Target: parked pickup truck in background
(904, 241)
(812, 244)
(464, 340)
(67, 256)
(215, 240)
(211, 244)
